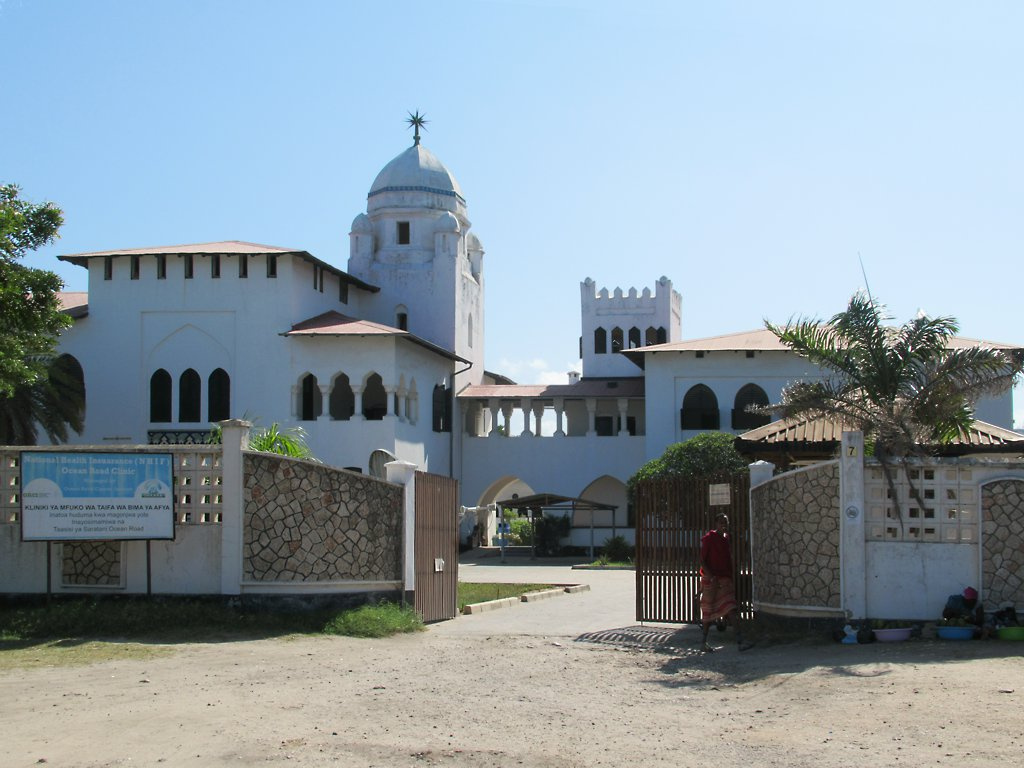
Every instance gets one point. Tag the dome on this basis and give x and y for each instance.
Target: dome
(417, 170)
(361, 225)
(447, 223)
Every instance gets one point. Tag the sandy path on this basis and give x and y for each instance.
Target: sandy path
(441, 698)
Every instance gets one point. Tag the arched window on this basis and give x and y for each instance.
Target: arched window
(343, 402)
(749, 395)
(375, 399)
(662, 336)
(160, 397)
(700, 409)
(651, 336)
(68, 381)
(442, 409)
(312, 404)
(401, 318)
(616, 339)
(634, 337)
(600, 341)
(190, 396)
(218, 406)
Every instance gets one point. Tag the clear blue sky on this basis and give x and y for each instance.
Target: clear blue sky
(747, 150)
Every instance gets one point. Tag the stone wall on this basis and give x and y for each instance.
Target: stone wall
(91, 563)
(1002, 509)
(795, 530)
(311, 523)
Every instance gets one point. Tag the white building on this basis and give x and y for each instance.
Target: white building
(385, 360)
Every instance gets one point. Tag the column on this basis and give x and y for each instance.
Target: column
(852, 550)
(492, 407)
(538, 416)
(389, 398)
(234, 440)
(404, 473)
(357, 404)
(559, 404)
(325, 402)
(623, 404)
(591, 417)
(506, 412)
(526, 404)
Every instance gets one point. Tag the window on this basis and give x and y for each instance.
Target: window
(215, 266)
(616, 339)
(219, 392)
(342, 402)
(442, 409)
(651, 336)
(749, 394)
(135, 268)
(160, 397)
(469, 331)
(634, 338)
(189, 267)
(662, 336)
(320, 281)
(243, 265)
(312, 401)
(342, 291)
(401, 317)
(161, 267)
(375, 399)
(190, 391)
(108, 267)
(700, 409)
(402, 233)
(271, 265)
(600, 341)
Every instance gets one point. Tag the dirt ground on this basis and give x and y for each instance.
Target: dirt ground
(635, 695)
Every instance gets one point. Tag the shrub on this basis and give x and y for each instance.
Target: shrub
(617, 550)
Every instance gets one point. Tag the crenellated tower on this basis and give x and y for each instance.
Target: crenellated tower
(612, 322)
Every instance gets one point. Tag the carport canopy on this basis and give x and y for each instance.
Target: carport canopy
(553, 501)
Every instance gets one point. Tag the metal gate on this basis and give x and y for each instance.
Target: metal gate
(671, 516)
(436, 547)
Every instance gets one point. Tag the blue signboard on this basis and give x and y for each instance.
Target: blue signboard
(96, 496)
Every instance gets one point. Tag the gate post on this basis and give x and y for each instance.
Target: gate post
(234, 438)
(404, 473)
(852, 551)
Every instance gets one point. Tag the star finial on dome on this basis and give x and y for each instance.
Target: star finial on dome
(417, 121)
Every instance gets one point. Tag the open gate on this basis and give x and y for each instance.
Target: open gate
(436, 547)
(671, 516)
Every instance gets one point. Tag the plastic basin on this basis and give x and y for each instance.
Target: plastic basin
(892, 635)
(956, 633)
(1011, 633)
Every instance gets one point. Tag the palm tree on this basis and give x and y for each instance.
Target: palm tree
(53, 402)
(905, 388)
(289, 442)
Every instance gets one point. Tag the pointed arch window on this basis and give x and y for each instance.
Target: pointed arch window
(343, 403)
(218, 407)
(634, 338)
(616, 339)
(311, 404)
(662, 336)
(402, 317)
(749, 395)
(441, 402)
(375, 399)
(650, 336)
(700, 409)
(190, 394)
(600, 341)
(160, 397)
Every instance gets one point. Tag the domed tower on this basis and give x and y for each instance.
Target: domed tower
(414, 243)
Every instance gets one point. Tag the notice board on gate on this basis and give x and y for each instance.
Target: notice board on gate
(73, 496)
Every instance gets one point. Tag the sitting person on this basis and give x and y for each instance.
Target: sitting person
(965, 606)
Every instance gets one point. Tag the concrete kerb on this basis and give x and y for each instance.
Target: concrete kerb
(529, 597)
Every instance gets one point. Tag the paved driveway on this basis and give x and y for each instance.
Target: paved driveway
(605, 613)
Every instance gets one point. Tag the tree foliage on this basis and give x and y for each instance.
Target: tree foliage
(705, 454)
(904, 387)
(30, 316)
(54, 402)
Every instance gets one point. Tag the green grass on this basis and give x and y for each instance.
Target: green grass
(472, 592)
(190, 620)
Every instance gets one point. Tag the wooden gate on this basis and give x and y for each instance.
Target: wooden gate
(671, 516)
(436, 547)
